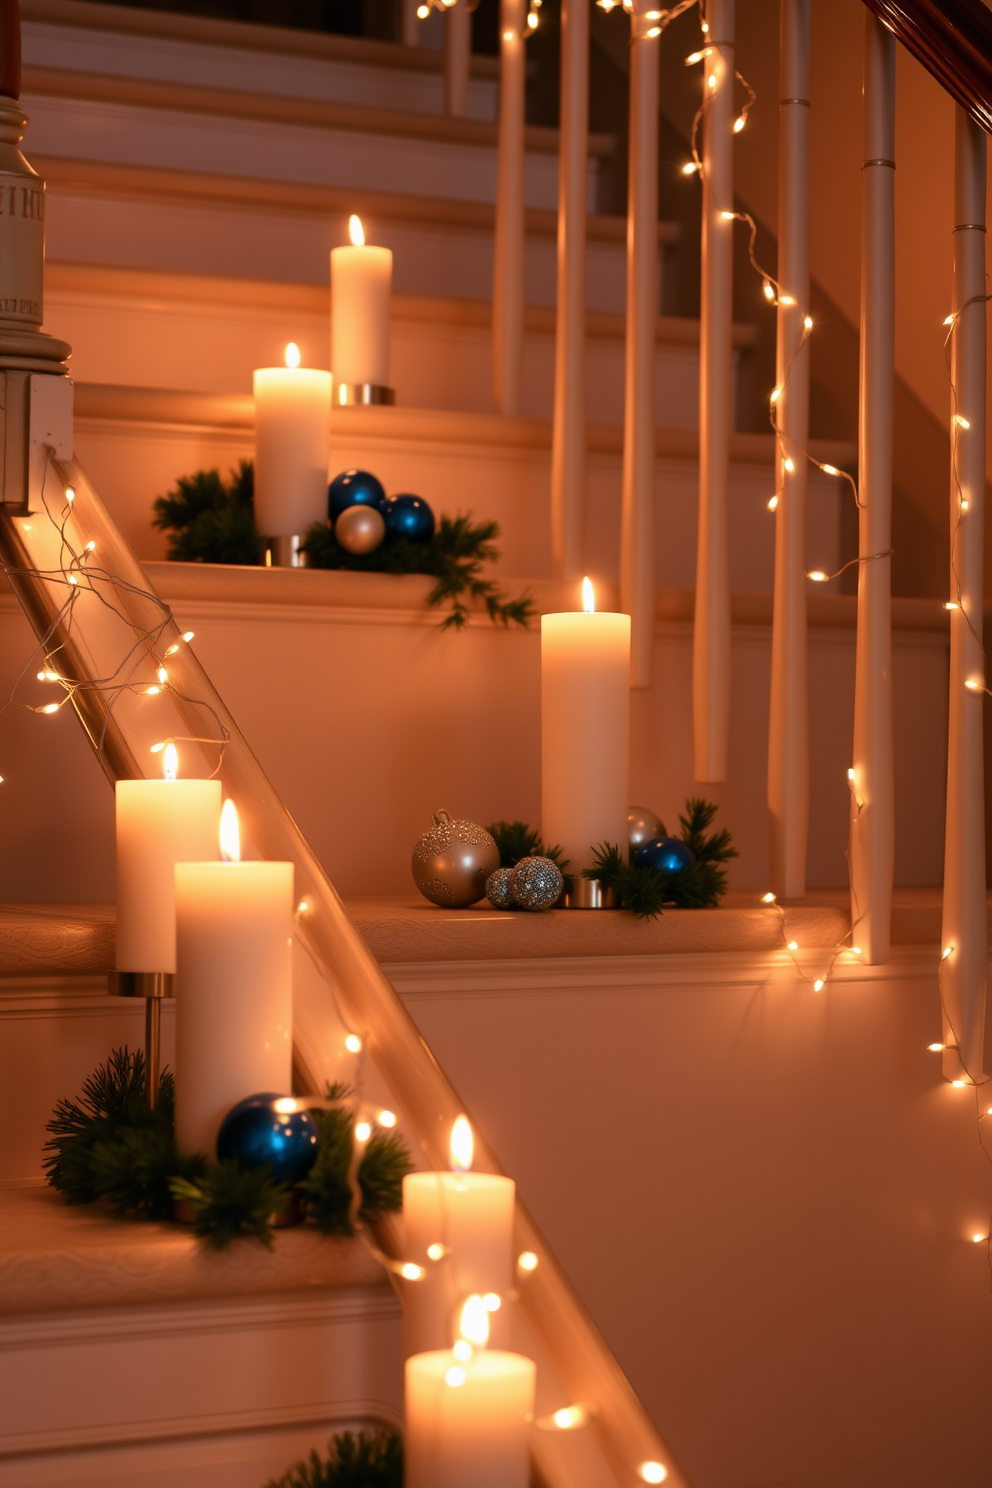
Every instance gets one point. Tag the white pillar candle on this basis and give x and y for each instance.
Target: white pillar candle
(466, 1422)
(361, 284)
(469, 1215)
(585, 729)
(234, 991)
(292, 432)
(159, 824)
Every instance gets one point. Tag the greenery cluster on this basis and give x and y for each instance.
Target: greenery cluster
(107, 1145)
(643, 890)
(210, 520)
(516, 840)
(368, 1460)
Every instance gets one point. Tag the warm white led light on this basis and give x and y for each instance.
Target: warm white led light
(818, 985)
(690, 168)
(455, 1376)
(727, 216)
(411, 1272)
(830, 470)
(773, 503)
(387, 1118)
(739, 123)
(935, 1048)
(789, 465)
(527, 1260)
(959, 1084)
(435, 1251)
(353, 1044)
(462, 1351)
(768, 898)
(767, 291)
(961, 421)
(807, 322)
(818, 576)
(793, 945)
(363, 1131)
(951, 604)
(850, 774)
(979, 1239)
(652, 1472)
(492, 1302)
(786, 299)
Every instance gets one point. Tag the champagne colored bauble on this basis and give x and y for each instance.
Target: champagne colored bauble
(536, 883)
(360, 529)
(498, 889)
(452, 861)
(643, 826)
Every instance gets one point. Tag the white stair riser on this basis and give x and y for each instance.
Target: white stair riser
(318, 693)
(268, 150)
(444, 366)
(132, 464)
(85, 227)
(211, 66)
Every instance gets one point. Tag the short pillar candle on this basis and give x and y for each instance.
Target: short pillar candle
(361, 286)
(466, 1423)
(292, 434)
(159, 823)
(585, 730)
(234, 991)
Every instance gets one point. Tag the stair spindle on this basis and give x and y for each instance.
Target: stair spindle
(508, 275)
(637, 533)
(788, 737)
(568, 440)
(457, 59)
(964, 969)
(711, 636)
(872, 790)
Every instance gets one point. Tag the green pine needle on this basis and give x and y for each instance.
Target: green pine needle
(516, 840)
(112, 1100)
(368, 1460)
(209, 520)
(326, 1190)
(639, 890)
(228, 1200)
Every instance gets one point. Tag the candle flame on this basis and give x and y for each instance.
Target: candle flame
(588, 596)
(356, 231)
(170, 762)
(230, 833)
(462, 1147)
(473, 1324)
(292, 355)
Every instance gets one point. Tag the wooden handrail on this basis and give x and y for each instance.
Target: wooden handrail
(952, 39)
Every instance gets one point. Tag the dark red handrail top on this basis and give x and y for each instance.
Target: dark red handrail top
(953, 41)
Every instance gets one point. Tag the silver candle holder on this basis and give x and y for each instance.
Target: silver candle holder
(283, 552)
(363, 395)
(152, 986)
(588, 893)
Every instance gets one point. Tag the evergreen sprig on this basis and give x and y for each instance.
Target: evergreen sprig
(454, 556)
(108, 1145)
(516, 840)
(368, 1460)
(210, 520)
(644, 890)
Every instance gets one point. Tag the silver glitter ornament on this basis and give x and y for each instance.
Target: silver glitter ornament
(498, 889)
(452, 861)
(360, 529)
(536, 883)
(643, 826)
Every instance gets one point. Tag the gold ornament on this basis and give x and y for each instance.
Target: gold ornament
(452, 861)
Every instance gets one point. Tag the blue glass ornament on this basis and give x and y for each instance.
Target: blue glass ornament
(257, 1133)
(409, 516)
(354, 488)
(667, 854)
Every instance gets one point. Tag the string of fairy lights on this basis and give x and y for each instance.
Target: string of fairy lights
(530, 23)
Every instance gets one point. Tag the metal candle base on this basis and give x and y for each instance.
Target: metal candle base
(283, 552)
(588, 893)
(152, 986)
(362, 395)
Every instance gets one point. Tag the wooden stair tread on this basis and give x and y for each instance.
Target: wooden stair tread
(56, 1257)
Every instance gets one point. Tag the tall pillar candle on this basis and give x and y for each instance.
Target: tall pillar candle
(711, 631)
(361, 286)
(292, 432)
(788, 733)
(469, 1215)
(964, 970)
(159, 823)
(466, 1422)
(234, 991)
(568, 433)
(585, 731)
(872, 852)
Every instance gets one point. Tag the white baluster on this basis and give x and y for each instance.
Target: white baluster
(637, 533)
(788, 736)
(508, 272)
(568, 447)
(409, 23)
(457, 59)
(872, 786)
(964, 971)
(711, 636)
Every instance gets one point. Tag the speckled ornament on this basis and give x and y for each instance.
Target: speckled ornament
(643, 825)
(536, 883)
(498, 889)
(452, 861)
(360, 529)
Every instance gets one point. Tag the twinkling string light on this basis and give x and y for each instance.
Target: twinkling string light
(530, 26)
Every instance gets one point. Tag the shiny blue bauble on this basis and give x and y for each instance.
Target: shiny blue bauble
(666, 854)
(256, 1134)
(354, 488)
(409, 516)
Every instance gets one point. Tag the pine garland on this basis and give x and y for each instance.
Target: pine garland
(644, 890)
(516, 840)
(108, 1145)
(368, 1460)
(210, 520)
